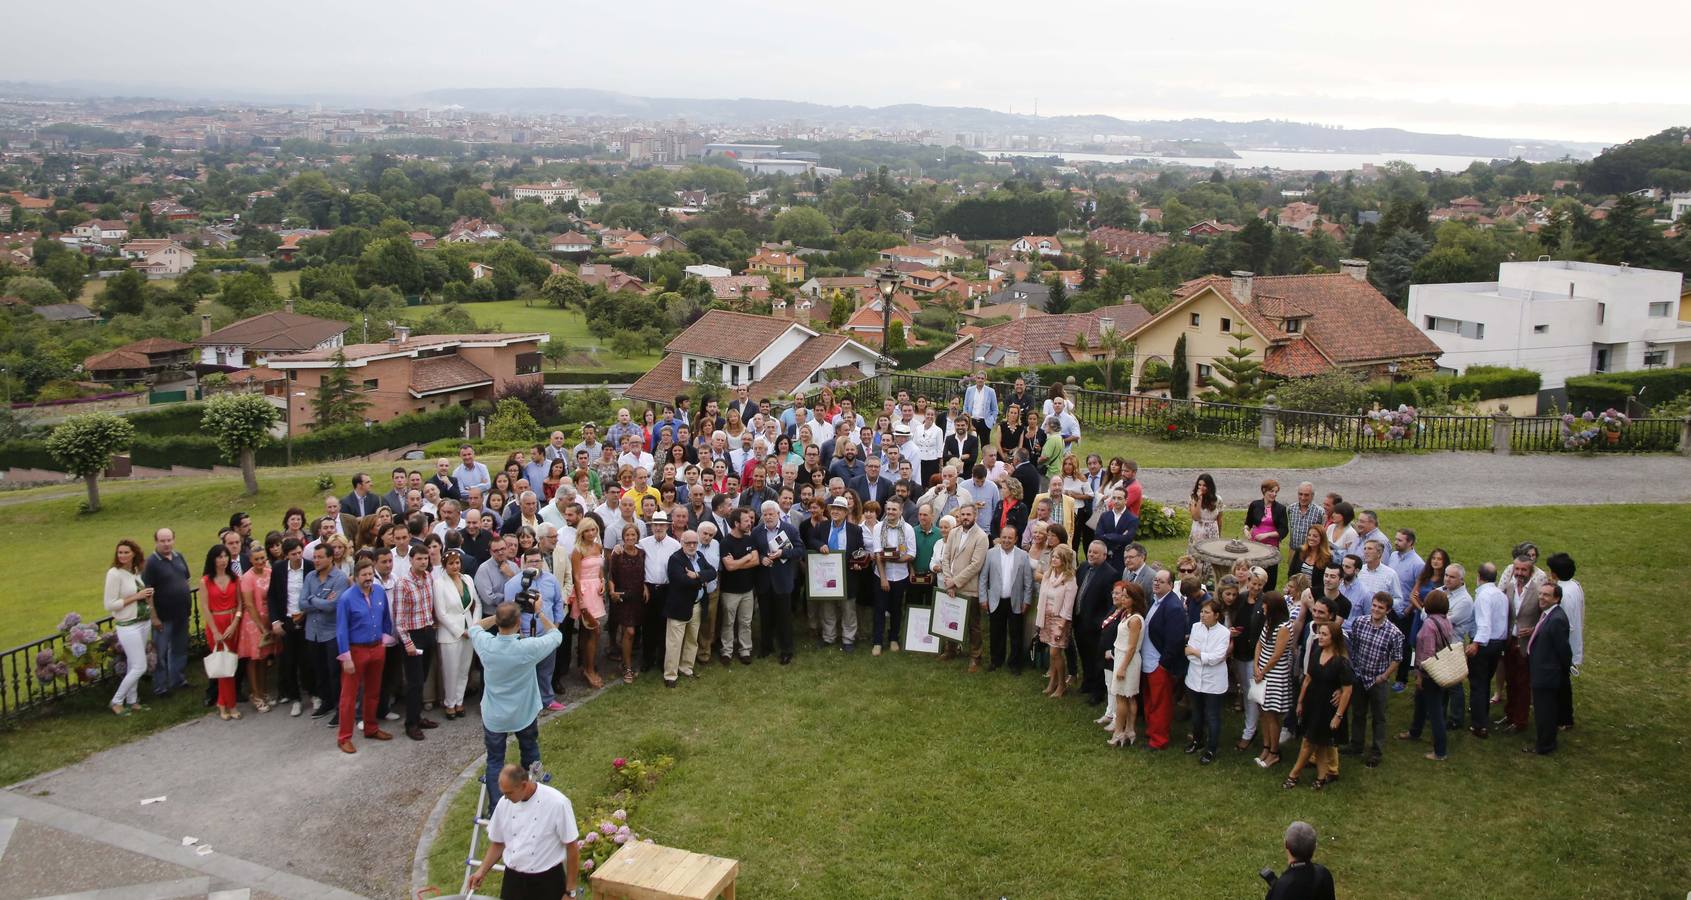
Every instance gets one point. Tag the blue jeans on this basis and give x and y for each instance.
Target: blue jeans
(1206, 719)
(170, 642)
(1430, 708)
(528, 750)
(543, 671)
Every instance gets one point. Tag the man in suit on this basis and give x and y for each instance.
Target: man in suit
(444, 482)
(362, 501)
(965, 553)
(839, 535)
(295, 667)
(1117, 528)
(871, 485)
(779, 551)
(848, 464)
(1096, 578)
(1135, 570)
(980, 401)
(1005, 592)
(689, 577)
(1550, 654)
(346, 525)
(963, 445)
(394, 499)
(1162, 658)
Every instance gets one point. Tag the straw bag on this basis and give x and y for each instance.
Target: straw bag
(1449, 666)
(221, 663)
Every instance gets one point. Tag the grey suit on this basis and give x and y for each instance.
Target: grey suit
(1006, 618)
(1144, 578)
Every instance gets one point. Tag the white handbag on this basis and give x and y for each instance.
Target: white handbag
(1257, 692)
(221, 663)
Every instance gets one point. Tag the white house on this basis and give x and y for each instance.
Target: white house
(1043, 245)
(1556, 317)
(252, 341)
(548, 192)
(774, 355)
(705, 270)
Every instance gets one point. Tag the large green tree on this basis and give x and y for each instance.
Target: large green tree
(805, 226)
(339, 401)
(240, 423)
(1240, 376)
(84, 445)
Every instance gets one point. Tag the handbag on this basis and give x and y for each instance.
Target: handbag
(1449, 666)
(221, 663)
(1257, 692)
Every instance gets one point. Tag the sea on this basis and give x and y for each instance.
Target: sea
(1287, 160)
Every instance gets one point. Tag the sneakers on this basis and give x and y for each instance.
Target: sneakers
(893, 647)
(1206, 758)
(322, 710)
(875, 650)
(295, 709)
(391, 717)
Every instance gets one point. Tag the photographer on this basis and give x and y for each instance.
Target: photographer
(536, 590)
(535, 833)
(1303, 879)
(510, 701)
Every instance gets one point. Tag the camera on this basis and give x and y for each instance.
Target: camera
(528, 596)
(1269, 876)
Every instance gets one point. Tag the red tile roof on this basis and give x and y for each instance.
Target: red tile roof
(282, 331)
(1035, 338)
(113, 360)
(426, 342)
(445, 373)
(663, 382)
(1295, 359)
(721, 334)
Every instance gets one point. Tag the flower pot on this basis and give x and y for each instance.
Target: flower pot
(1612, 437)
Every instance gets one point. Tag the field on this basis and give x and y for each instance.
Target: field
(568, 326)
(91, 288)
(902, 776)
(1156, 453)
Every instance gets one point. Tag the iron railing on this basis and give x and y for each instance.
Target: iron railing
(1147, 414)
(21, 690)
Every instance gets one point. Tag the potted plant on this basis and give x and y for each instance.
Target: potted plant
(1611, 422)
(1579, 433)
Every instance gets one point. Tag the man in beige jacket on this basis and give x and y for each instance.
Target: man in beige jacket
(965, 552)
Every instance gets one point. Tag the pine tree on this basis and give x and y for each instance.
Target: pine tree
(1057, 299)
(1179, 379)
(338, 400)
(1240, 376)
(1091, 257)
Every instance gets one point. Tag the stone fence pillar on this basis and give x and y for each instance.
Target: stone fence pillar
(1685, 437)
(1502, 430)
(1270, 412)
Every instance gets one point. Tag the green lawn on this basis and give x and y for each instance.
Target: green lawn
(91, 288)
(1153, 452)
(902, 776)
(568, 326)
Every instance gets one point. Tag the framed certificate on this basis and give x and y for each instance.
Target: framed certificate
(950, 617)
(917, 638)
(827, 578)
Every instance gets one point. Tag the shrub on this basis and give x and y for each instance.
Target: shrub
(325, 482)
(1597, 392)
(534, 395)
(1340, 393)
(1478, 383)
(174, 418)
(512, 422)
(1159, 521)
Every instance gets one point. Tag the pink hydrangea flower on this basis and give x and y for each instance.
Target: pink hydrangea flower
(587, 866)
(607, 828)
(620, 815)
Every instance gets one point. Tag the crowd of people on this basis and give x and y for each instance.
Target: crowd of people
(681, 540)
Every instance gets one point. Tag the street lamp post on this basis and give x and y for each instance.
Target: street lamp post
(1391, 385)
(888, 280)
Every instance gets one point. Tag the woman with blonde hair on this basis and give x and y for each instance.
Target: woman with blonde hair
(1123, 678)
(1312, 560)
(587, 604)
(1056, 615)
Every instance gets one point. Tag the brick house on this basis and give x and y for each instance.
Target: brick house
(411, 375)
(1132, 246)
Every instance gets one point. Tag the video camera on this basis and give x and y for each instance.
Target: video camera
(528, 596)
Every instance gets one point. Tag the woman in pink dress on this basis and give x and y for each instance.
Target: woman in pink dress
(256, 644)
(1056, 616)
(587, 563)
(220, 609)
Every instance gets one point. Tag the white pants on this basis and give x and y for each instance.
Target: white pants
(134, 640)
(735, 621)
(839, 619)
(455, 657)
(1244, 671)
(681, 645)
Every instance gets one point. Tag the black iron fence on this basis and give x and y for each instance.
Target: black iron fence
(1146, 414)
(23, 689)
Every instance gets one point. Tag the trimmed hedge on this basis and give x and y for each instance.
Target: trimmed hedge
(174, 418)
(1611, 389)
(595, 377)
(913, 358)
(28, 453)
(1480, 383)
(1050, 374)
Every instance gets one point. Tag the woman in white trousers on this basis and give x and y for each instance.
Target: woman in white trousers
(456, 607)
(130, 603)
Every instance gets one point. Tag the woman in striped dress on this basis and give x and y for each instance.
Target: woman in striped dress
(1273, 669)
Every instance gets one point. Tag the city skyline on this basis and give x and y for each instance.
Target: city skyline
(1454, 68)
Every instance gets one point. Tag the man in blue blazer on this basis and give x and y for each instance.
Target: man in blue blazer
(779, 551)
(1163, 658)
(1117, 527)
(871, 485)
(980, 403)
(690, 575)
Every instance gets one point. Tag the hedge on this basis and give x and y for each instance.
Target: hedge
(913, 358)
(27, 453)
(595, 377)
(1049, 374)
(1479, 383)
(1611, 389)
(174, 418)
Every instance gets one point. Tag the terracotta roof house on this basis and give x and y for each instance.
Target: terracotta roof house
(1210, 227)
(570, 242)
(733, 287)
(1133, 246)
(786, 266)
(410, 375)
(924, 255)
(1044, 245)
(252, 340)
(612, 278)
(866, 321)
(1039, 340)
(1299, 325)
(422, 240)
(775, 355)
(139, 361)
(849, 284)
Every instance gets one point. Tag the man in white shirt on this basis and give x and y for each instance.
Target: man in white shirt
(1485, 651)
(659, 546)
(1561, 567)
(633, 455)
(1069, 424)
(533, 830)
(471, 474)
(984, 494)
(948, 495)
(981, 403)
(896, 542)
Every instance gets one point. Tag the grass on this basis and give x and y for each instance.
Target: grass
(1156, 453)
(568, 326)
(91, 288)
(851, 776)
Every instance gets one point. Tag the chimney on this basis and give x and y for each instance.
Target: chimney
(1106, 324)
(977, 304)
(1355, 268)
(401, 334)
(1242, 285)
(1021, 311)
(205, 326)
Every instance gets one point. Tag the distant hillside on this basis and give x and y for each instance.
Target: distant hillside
(1262, 133)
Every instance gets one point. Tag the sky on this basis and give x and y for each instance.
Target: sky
(1553, 69)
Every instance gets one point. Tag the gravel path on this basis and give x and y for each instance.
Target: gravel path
(1444, 480)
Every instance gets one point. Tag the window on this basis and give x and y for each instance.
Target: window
(1474, 330)
(692, 369)
(1197, 320)
(528, 363)
(733, 374)
(1226, 325)
(1541, 329)
(370, 383)
(1655, 359)
(1602, 362)
(1292, 326)
(1203, 375)
(1602, 312)
(1661, 309)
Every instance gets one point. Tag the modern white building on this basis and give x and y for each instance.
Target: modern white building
(1558, 318)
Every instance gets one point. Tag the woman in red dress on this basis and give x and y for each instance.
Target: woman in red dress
(220, 599)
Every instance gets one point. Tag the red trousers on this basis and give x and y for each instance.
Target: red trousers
(1159, 706)
(1518, 677)
(366, 666)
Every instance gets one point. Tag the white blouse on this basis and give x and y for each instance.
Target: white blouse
(1207, 673)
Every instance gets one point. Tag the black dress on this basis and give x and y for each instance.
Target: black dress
(1324, 679)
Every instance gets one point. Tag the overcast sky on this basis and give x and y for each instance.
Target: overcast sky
(1551, 69)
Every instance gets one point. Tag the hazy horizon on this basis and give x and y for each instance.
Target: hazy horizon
(1483, 71)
